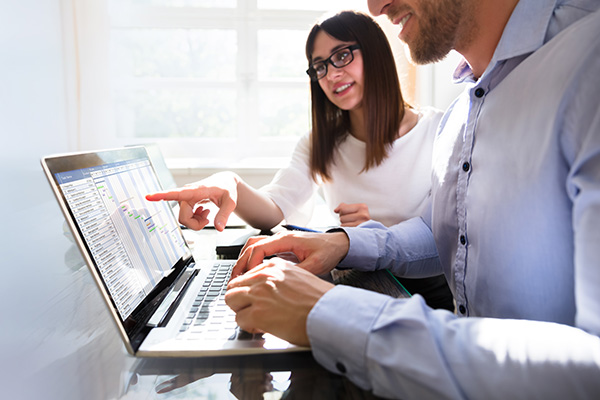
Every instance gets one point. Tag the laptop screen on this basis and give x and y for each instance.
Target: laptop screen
(133, 242)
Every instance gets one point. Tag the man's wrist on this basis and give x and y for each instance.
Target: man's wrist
(340, 242)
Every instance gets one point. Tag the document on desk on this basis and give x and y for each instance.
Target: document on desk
(163, 301)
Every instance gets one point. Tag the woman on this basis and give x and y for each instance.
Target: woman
(368, 150)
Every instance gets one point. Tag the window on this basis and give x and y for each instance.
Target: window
(217, 79)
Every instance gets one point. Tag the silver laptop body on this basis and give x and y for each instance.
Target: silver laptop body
(164, 303)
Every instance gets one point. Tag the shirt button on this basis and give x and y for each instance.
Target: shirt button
(466, 167)
(479, 92)
(462, 309)
(340, 367)
(463, 239)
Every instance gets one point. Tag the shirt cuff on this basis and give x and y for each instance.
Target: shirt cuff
(408, 248)
(362, 255)
(348, 313)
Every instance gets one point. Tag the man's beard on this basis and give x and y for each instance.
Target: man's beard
(438, 24)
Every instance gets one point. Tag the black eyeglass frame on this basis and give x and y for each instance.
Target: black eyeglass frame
(312, 72)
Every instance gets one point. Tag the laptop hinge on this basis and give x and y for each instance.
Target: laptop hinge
(165, 311)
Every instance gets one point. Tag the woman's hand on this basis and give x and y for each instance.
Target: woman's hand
(220, 189)
(352, 214)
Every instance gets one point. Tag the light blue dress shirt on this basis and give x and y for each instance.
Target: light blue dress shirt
(516, 218)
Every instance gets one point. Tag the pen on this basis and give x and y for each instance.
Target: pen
(298, 228)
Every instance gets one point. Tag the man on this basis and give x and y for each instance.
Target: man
(514, 223)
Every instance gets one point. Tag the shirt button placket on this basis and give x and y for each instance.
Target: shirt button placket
(463, 184)
(466, 167)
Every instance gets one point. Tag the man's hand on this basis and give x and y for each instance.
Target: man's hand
(276, 297)
(220, 189)
(353, 214)
(318, 253)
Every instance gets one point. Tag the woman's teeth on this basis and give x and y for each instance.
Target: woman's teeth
(342, 88)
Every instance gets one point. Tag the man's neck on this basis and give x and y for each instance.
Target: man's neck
(482, 30)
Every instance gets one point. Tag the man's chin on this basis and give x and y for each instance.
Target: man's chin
(420, 57)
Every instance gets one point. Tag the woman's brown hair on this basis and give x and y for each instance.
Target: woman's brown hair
(382, 99)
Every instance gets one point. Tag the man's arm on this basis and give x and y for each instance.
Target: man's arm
(408, 248)
(401, 348)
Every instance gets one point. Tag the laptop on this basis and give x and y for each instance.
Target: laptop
(164, 303)
(165, 177)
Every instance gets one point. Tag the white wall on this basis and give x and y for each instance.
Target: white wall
(32, 98)
(32, 124)
(32, 95)
(434, 82)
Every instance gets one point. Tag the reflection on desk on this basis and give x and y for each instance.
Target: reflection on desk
(275, 376)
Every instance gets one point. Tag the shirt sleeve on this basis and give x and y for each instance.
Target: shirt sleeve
(407, 248)
(400, 348)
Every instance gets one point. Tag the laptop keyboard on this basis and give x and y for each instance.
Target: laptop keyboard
(209, 316)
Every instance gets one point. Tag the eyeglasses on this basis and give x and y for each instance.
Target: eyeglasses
(339, 59)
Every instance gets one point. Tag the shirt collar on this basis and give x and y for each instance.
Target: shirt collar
(524, 33)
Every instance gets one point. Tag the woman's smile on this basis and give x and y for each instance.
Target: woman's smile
(340, 89)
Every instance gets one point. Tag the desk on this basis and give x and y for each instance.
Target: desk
(58, 341)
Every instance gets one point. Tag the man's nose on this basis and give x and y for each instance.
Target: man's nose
(376, 7)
